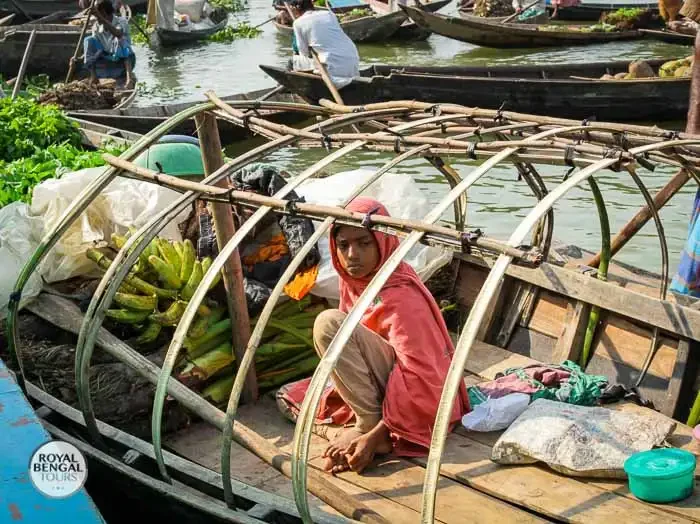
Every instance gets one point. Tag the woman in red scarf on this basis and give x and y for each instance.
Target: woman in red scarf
(392, 370)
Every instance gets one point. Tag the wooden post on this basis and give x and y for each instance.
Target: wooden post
(25, 63)
(213, 159)
(678, 181)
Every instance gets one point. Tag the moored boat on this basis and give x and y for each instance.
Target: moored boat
(39, 8)
(591, 10)
(375, 28)
(409, 30)
(484, 32)
(174, 37)
(668, 36)
(565, 90)
(524, 301)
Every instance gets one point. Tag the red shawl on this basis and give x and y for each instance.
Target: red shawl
(406, 315)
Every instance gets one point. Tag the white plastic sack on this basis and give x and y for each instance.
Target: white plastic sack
(579, 441)
(496, 413)
(123, 203)
(403, 199)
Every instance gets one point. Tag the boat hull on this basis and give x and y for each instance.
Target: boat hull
(670, 37)
(53, 48)
(367, 29)
(36, 8)
(485, 33)
(170, 38)
(521, 89)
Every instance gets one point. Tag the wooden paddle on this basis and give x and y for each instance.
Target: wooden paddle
(24, 64)
(74, 59)
(528, 6)
(321, 67)
(265, 22)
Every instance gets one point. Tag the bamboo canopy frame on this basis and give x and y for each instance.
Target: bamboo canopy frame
(409, 130)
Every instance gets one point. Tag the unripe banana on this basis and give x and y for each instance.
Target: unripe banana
(195, 278)
(168, 253)
(137, 302)
(149, 334)
(206, 264)
(188, 259)
(166, 272)
(127, 316)
(172, 315)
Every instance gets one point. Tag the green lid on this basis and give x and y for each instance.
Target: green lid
(177, 159)
(662, 463)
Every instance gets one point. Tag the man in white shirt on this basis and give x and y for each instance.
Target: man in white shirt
(321, 31)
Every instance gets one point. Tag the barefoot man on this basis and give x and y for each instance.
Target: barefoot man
(392, 369)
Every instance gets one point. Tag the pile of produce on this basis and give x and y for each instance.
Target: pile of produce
(629, 19)
(596, 28)
(153, 298)
(493, 8)
(80, 94)
(38, 142)
(677, 68)
(360, 12)
(681, 68)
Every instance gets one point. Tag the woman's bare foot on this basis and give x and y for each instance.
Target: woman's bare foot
(334, 455)
(363, 449)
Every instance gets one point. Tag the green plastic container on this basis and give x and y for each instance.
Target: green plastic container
(177, 159)
(661, 475)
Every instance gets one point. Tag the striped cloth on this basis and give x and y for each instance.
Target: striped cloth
(687, 279)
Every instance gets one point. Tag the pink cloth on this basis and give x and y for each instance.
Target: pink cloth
(407, 316)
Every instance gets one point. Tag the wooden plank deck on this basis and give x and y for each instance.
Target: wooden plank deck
(472, 487)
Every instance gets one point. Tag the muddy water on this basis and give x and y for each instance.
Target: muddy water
(499, 201)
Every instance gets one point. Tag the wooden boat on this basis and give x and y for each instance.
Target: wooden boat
(53, 48)
(670, 37)
(21, 434)
(38, 8)
(367, 29)
(481, 31)
(142, 119)
(525, 305)
(170, 37)
(565, 90)
(591, 10)
(409, 30)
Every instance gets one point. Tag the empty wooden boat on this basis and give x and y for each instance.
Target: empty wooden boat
(565, 90)
(668, 36)
(483, 32)
(514, 303)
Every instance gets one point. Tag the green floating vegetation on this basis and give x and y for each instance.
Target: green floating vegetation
(234, 32)
(137, 37)
(231, 6)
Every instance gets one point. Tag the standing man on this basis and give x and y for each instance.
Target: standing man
(321, 31)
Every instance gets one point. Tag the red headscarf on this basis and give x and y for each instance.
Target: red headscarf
(406, 315)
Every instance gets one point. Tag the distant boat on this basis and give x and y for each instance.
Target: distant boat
(590, 10)
(173, 37)
(47, 7)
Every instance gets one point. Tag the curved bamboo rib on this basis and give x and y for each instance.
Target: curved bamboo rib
(217, 264)
(128, 256)
(302, 434)
(81, 202)
(478, 312)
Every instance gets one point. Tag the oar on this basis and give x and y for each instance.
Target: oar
(321, 67)
(265, 22)
(25, 63)
(74, 59)
(528, 6)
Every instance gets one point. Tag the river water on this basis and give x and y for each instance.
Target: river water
(499, 201)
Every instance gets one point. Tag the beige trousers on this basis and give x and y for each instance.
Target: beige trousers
(363, 367)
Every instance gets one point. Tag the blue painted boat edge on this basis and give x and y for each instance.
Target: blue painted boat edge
(21, 433)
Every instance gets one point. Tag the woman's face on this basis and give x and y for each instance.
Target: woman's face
(357, 251)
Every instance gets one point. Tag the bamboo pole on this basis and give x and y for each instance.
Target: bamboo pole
(23, 66)
(213, 159)
(70, 320)
(440, 234)
(74, 58)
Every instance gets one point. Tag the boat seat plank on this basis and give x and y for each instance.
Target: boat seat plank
(397, 480)
(541, 490)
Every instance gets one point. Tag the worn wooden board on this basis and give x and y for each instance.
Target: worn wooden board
(469, 281)
(549, 314)
(667, 315)
(397, 481)
(541, 490)
(532, 344)
(570, 343)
